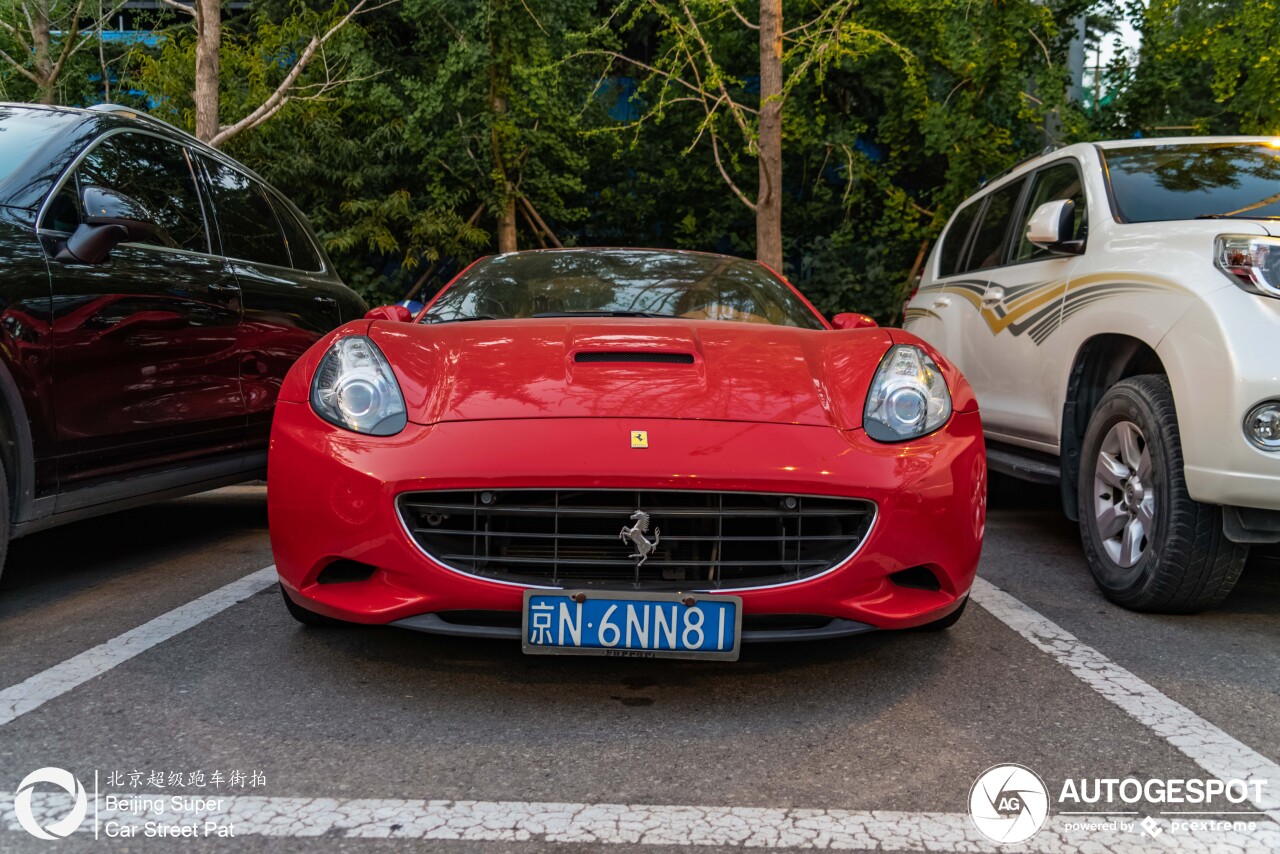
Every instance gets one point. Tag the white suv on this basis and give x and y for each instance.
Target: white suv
(1116, 307)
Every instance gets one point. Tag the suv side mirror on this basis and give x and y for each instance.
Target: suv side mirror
(1052, 227)
(850, 320)
(397, 313)
(110, 219)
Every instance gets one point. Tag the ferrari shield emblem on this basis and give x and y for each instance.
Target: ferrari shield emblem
(639, 438)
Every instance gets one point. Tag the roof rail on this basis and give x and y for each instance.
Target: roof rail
(130, 112)
(1048, 149)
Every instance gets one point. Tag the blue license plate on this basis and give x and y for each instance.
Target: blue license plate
(632, 625)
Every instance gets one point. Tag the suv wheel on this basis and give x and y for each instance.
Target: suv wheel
(1150, 546)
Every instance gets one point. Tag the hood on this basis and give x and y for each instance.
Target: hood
(631, 368)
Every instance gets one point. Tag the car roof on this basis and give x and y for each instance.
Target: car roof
(28, 187)
(1144, 142)
(1033, 163)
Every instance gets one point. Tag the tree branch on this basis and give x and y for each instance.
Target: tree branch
(743, 18)
(711, 64)
(715, 149)
(282, 94)
(17, 36)
(18, 67)
(69, 44)
(182, 7)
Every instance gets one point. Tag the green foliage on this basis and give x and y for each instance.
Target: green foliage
(79, 79)
(1205, 66)
(894, 112)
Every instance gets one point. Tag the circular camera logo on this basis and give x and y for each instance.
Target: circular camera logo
(64, 826)
(1009, 803)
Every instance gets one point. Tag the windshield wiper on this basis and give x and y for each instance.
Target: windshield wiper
(603, 314)
(435, 318)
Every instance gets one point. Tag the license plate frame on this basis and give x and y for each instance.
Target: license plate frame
(619, 597)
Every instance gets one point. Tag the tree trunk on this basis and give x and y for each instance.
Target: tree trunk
(507, 241)
(42, 49)
(208, 44)
(507, 227)
(769, 147)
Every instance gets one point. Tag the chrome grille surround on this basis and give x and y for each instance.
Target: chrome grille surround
(571, 537)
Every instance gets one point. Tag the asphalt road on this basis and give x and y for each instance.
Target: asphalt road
(902, 723)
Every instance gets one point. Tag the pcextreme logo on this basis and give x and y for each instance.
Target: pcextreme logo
(1009, 803)
(64, 826)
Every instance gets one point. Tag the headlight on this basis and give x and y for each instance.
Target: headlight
(354, 388)
(908, 397)
(1253, 263)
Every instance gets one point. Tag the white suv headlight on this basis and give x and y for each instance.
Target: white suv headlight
(908, 396)
(354, 388)
(1252, 262)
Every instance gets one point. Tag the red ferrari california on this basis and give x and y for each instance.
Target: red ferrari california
(625, 452)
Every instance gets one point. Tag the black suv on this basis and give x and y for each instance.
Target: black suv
(153, 293)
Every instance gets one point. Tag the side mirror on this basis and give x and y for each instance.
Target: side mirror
(1052, 227)
(398, 313)
(850, 320)
(110, 219)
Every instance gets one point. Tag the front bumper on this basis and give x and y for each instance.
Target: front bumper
(1218, 370)
(332, 495)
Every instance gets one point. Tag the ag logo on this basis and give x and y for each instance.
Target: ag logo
(1009, 803)
(64, 826)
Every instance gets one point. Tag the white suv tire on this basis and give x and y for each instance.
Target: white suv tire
(1149, 545)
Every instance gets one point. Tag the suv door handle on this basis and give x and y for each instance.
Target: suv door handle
(992, 296)
(942, 302)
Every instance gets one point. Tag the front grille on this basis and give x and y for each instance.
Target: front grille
(572, 538)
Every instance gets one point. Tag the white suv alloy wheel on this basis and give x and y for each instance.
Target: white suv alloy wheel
(1124, 498)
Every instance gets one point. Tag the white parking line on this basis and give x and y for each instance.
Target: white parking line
(1210, 747)
(34, 692)
(1205, 744)
(631, 824)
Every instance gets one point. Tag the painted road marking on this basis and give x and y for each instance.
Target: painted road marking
(1205, 744)
(635, 824)
(1210, 747)
(34, 692)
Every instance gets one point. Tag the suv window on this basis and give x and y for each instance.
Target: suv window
(1210, 179)
(1058, 182)
(953, 242)
(301, 249)
(990, 239)
(246, 220)
(153, 172)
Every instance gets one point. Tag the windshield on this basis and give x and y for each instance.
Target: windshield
(621, 283)
(1202, 180)
(23, 130)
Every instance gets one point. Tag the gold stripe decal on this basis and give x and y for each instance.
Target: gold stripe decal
(1038, 308)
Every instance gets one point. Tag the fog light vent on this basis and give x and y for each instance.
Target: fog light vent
(345, 570)
(917, 578)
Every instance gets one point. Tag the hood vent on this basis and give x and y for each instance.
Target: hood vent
(640, 356)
